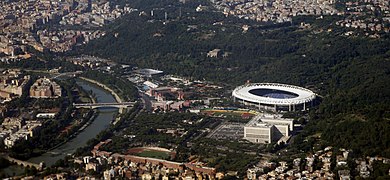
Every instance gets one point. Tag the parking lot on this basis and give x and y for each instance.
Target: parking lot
(228, 131)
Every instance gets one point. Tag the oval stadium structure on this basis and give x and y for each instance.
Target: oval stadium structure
(274, 96)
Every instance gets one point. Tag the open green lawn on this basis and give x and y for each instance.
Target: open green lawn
(154, 154)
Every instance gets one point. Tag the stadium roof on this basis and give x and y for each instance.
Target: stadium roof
(148, 72)
(284, 94)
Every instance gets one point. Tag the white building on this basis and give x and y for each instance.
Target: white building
(267, 128)
(46, 115)
(258, 133)
(150, 84)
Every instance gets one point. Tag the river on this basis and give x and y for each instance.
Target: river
(101, 122)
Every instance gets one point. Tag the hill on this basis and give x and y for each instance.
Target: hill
(352, 73)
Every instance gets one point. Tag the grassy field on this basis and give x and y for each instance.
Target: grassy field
(154, 154)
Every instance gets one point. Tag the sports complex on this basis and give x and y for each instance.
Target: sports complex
(274, 96)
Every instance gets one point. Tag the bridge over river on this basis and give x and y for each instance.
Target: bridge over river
(99, 105)
(24, 163)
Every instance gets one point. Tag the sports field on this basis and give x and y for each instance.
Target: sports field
(151, 152)
(154, 154)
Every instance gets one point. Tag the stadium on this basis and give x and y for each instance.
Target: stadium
(274, 96)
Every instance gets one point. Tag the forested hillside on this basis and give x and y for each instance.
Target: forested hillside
(351, 73)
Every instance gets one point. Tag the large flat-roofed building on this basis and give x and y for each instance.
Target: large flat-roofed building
(277, 120)
(12, 84)
(258, 133)
(15, 130)
(265, 128)
(45, 88)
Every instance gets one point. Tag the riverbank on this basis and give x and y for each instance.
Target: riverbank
(102, 120)
(73, 135)
(99, 121)
(117, 98)
(86, 120)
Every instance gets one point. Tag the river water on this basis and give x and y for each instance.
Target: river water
(101, 122)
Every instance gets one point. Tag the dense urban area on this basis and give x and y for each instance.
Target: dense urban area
(194, 89)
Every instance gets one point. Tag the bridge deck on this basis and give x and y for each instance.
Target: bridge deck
(96, 105)
(22, 163)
